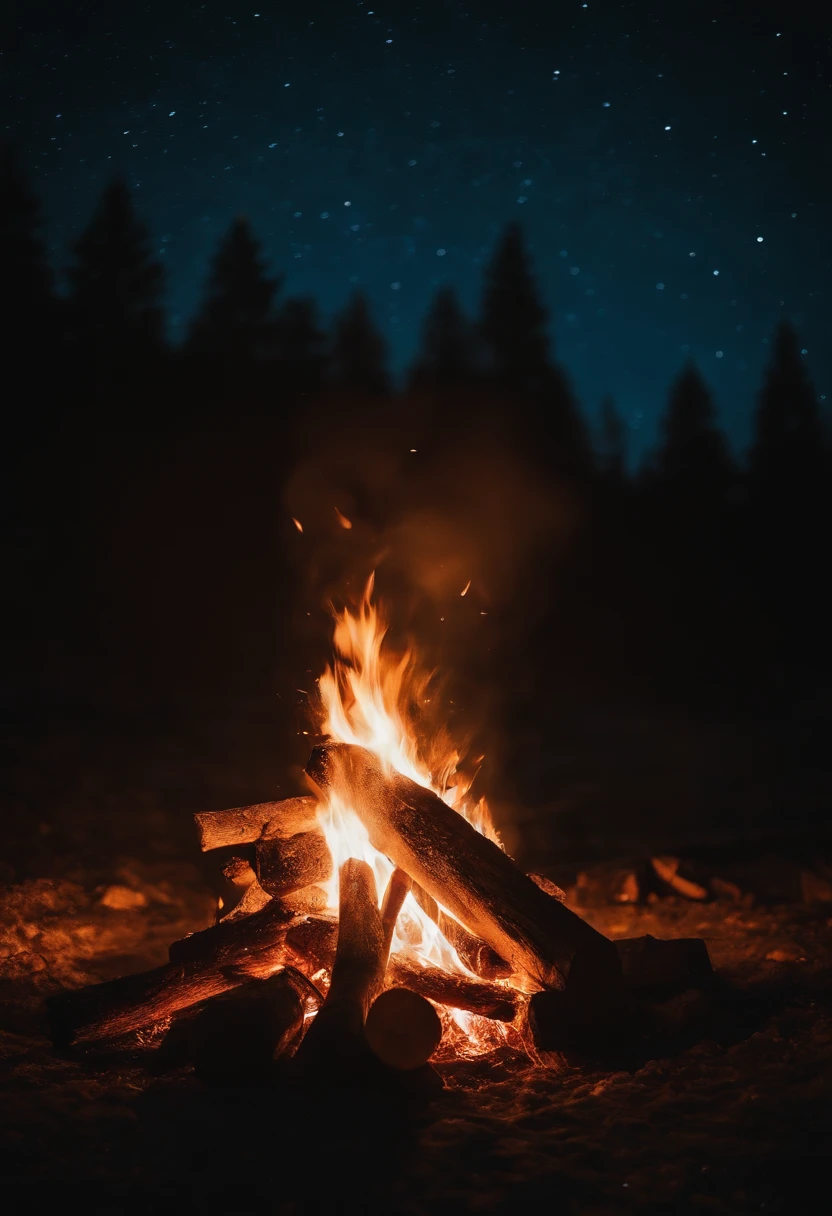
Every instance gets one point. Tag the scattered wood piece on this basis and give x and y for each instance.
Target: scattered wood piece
(815, 888)
(284, 866)
(545, 942)
(722, 888)
(656, 969)
(667, 869)
(403, 1029)
(456, 991)
(476, 954)
(260, 821)
(606, 883)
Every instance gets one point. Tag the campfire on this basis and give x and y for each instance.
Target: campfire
(377, 924)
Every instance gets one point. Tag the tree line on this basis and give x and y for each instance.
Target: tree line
(141, 480)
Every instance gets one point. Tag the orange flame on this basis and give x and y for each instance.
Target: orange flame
(367, 694)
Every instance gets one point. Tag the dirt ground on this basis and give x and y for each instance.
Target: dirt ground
(730, 1116)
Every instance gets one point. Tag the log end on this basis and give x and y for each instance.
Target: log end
(403, 1029)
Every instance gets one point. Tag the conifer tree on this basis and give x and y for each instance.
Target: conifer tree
(116, 284)
(693, 455)
(236, 317)
(513, 320)
(788, 444)
(446, 359)
(517, 347)
(358, 355)
(302, 345)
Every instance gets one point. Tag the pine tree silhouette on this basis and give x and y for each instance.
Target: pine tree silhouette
(116, 285)
(447, 359)
(236, 317)
(358, 355)
(693, 456)
(513, 329)
(790, 511)
(788, 444)
(29, 307)
(513, 321)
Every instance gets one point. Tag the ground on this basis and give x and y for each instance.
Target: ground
(731, 1116)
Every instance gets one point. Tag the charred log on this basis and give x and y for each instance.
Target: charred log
(202, 966)
(335, 1045)
(261, 821)
(236, 1038)
(487, 1000)
(656, 970)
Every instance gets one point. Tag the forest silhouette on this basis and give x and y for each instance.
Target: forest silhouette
(147, 534)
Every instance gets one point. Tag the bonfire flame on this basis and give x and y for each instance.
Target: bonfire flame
(370, 697)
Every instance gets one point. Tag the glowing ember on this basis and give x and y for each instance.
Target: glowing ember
(297, 524)
(367, 698)
(342, 520)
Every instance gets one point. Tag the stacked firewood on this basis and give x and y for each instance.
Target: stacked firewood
(277, 978)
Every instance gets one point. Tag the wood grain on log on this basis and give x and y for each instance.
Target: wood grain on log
(403, 1029)
(547, 944)
(284, 866)
(260, 821)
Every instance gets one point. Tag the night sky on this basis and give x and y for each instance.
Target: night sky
(669, 161)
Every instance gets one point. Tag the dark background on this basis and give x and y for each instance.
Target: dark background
(644, 647)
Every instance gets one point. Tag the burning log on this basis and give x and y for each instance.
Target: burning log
(403, 1029)
(395, 895)
(474, 953)
(335, 1044)
(487, 1000)
(261, 821)
(284, 866)
(202, 965)
(539, 936)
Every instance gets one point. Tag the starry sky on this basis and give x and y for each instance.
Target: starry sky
(670, 162)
